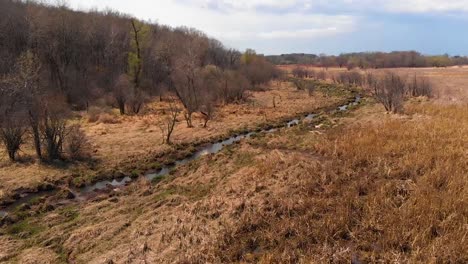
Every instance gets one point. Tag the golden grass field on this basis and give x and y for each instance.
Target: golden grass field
(451, 84)
(366, 187)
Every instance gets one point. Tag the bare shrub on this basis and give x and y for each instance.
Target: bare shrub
(54, 127)
(12, 135)
(93, 114)
(168, 122)
(102, 115)
(121, 92)
(350, 78)
(233, 87)
(257, 69)
(77, 145)
(389, 90)
(370, 80)
(310, 88)
(312, 74)
(420, 86)
(136, 101)
(321, 75)
(300, 72)
(355, 78)
(12, 119)
(207, 110)
(300, 84)
(305, 85)
(108, 118)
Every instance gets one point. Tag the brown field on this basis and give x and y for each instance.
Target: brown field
(451, 84)
(366, 187)
(393, 190)
(116, 139)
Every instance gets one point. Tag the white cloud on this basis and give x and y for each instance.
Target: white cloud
(392, 6)
(399, 6)
(246, 23)
(241, 26)
(424, 6)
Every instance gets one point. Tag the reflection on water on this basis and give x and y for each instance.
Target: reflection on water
(102, 185)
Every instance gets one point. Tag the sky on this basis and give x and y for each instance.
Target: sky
(311, 26)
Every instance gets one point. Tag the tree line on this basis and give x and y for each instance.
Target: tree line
(365, 60)
(55, 60)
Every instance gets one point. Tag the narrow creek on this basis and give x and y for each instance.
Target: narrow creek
(212, 148)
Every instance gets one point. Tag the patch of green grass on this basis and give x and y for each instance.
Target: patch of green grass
(135, 173)
(244, 159)
(24, 229)
(164, 194)
(78, 181)
(155, 165)
(69, 212)
(194, 192)
(158, 179)
(35, 201)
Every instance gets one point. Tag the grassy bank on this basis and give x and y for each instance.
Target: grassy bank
(359, 187)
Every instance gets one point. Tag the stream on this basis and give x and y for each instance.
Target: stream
(212, 148)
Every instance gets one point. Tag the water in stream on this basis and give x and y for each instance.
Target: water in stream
(206, 150)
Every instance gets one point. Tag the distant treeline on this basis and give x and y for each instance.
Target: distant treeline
(396, 59)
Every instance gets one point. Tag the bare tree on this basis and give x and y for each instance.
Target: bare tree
(168, 122)
(140, 35)
(26, 81)
(136, 100)
(208, 110)
(186, 77)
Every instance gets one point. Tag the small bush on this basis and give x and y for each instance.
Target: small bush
(108, 119)
(93, 114)
(77, 144)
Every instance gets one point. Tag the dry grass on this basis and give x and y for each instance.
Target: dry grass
(129, 139)
(390, 189)
(451, 84)
(364, 188)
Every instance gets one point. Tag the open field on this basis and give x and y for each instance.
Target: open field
(126, 140)
(367, 187)
(451, 83)
(120, 140)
